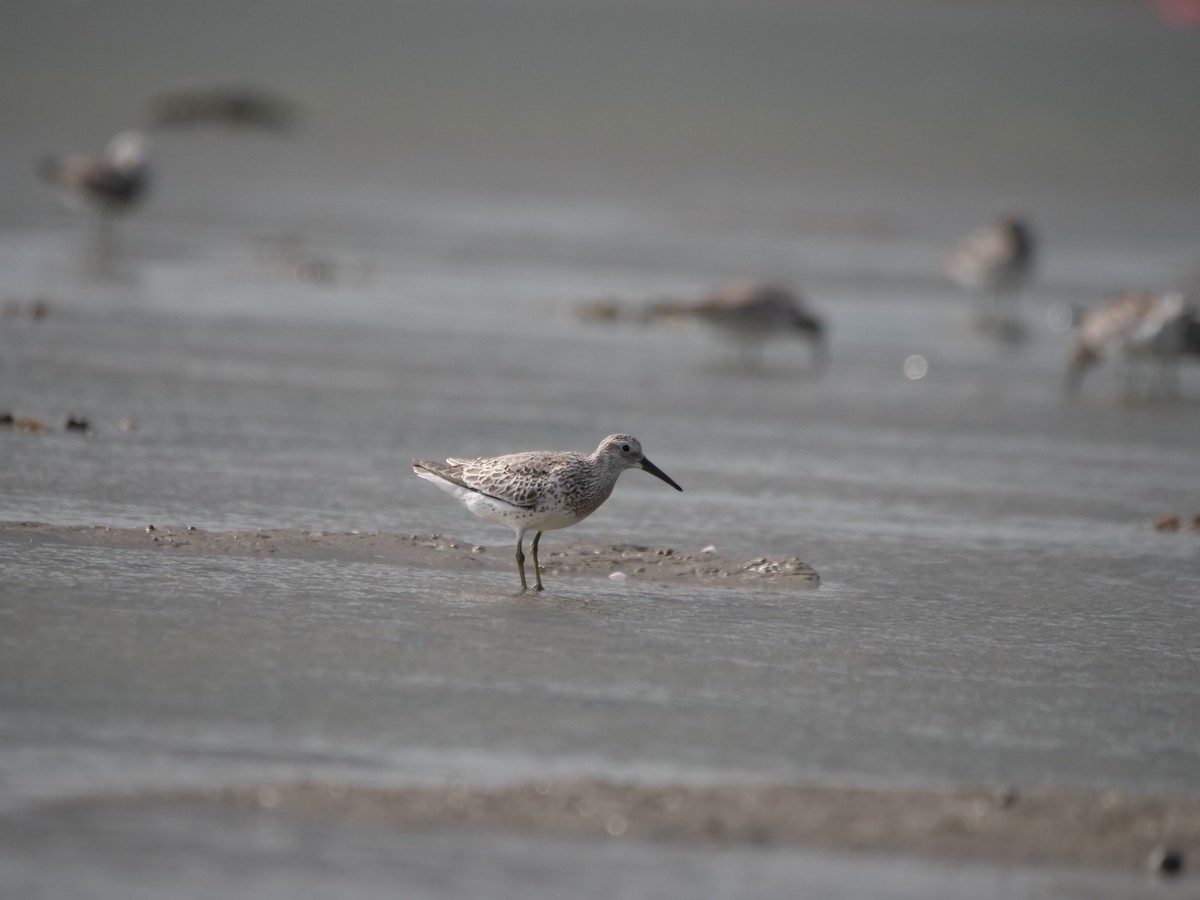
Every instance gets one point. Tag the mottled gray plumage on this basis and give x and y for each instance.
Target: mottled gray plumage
(541, 490)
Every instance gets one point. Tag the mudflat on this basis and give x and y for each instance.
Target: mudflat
(1112, 830)
(616, 561)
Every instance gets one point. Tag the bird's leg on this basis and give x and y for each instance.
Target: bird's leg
(1124, 377)
(819, 357)
(1134, 376)
(521, 563)
(1169, 377)
(749, 354)
(537, 570)
(103, 242)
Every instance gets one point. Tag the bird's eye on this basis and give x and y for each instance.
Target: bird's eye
(624, 448)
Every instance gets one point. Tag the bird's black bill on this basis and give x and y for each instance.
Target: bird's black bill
(659, 473)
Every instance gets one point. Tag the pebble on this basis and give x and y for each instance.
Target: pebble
(1004, 796)
(268, 797)
(23, 423)
(32, 308)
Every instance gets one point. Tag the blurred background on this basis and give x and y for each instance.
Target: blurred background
(459, 180)
(1014, 100)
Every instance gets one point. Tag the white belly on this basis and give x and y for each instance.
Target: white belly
(492, 510)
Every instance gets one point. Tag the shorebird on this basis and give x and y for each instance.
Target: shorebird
(110, 182)
(749, 313)
(1140, 327)
(234, 106)
(992, 261)
(107, 184)
(540, 490)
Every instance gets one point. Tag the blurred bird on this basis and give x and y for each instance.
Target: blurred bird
(749, 313)
(107, 184)
(1142, 329)
(993, 261)
(232, 106)
(111, 182)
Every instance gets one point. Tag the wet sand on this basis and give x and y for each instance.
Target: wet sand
(617, 562)
(1110, 830)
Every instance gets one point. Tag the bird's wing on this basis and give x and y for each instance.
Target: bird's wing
(517, 479)
(1112, 321)
(981, 249)
(454, 472)
(739, 295)
(112, 182)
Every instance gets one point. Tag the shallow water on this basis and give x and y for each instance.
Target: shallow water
(124, 668)
(993, 607)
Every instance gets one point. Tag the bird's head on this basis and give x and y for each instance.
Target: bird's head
(625, 451)
(127, 151)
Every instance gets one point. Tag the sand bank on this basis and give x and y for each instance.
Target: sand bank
(618, 562)
(1110, 830)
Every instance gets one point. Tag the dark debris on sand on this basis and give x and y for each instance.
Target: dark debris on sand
(1172, 522)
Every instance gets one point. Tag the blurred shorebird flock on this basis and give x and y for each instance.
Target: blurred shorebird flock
(1144, 335)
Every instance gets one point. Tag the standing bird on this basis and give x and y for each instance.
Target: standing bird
(993, 261)
(540, 490)
(1140, 327)
(749, 313)
(107, 184)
